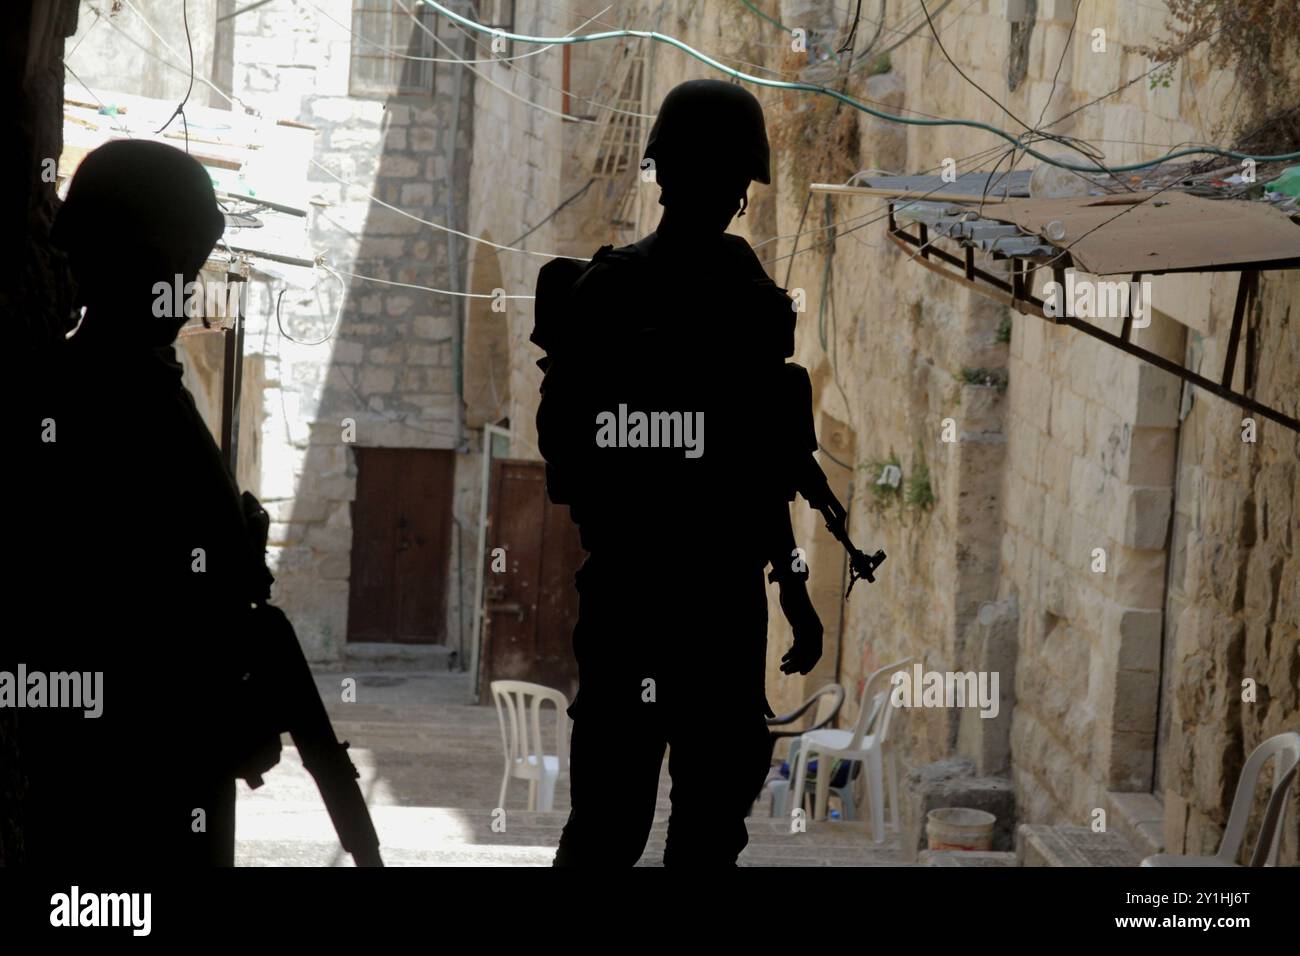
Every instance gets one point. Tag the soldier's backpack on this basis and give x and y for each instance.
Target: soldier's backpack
(786, 395)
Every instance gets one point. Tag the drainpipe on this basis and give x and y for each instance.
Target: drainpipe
(458, 309)
(475, 661)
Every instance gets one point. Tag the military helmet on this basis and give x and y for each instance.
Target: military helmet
(146, 195)
(711, 123)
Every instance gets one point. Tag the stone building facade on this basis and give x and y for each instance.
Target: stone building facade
(335, 363)
(1121, 689)
(390, 366)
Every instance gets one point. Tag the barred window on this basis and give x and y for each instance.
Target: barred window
(384, 35)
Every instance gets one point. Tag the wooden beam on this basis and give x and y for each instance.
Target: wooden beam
(928, 195)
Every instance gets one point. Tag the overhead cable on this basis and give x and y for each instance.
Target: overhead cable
(843, 97)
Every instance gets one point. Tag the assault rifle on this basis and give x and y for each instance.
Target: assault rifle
(289, 702)
(808, 479)
(815, 489)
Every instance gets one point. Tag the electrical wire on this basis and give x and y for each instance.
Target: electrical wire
(569, 117)
(1069, 38)
(338, 313)
(499, 246)
(180, 107)
(847, 46)
(567, 94)
(331, 173)
(842, 97)
(781, 26)
(232, 100)
(120, 127)
(723, 56)
(566, 117)
(423, 288)
(436, 59)
(875, 216)
(437, 225)
(88, 32)
(1069, 142)
(556, 211)
(343, 286)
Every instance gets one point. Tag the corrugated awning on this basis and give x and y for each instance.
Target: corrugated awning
(1171, 232)
(1123, 234)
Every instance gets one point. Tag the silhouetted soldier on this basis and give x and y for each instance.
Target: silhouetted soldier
(151, 548)
(680, 512)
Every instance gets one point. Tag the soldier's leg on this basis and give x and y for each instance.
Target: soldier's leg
(614, 763)
(718, 767)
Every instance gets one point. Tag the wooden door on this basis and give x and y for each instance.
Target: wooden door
(401, 545)
(530, 606)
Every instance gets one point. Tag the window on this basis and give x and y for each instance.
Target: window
(384, 36)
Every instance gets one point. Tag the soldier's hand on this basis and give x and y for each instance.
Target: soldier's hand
(807, 627)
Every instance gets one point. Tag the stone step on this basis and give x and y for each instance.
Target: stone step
(975, 858)
(381, 656)
(1040, 845)
(1140, 818)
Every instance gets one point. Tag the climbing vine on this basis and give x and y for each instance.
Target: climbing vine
(1256, 39)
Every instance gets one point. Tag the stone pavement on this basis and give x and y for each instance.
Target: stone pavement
(431, 764)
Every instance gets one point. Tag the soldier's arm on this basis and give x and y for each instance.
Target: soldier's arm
(561, 419)
(790, 572)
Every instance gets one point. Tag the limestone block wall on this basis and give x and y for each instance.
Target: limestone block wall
(1085, 453)
(516, 181)
(1234, 588)
(1091, 452)
(389, 366)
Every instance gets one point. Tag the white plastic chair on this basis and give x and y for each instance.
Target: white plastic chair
(827, 701)
(1286, 748)
(519, 712)
(865, 742)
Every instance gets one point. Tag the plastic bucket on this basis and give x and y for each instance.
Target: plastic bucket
(958, 828)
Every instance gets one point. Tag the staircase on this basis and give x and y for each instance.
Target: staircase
(430, 766)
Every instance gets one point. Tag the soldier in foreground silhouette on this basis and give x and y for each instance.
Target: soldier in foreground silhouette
(680, 510)
(147, 533)
(162, 582)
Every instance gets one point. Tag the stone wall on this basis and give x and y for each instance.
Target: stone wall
(1234, 590)
(1085, 451)
(390, 364)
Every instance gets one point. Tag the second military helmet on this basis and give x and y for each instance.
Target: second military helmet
(144, 196)
(711, 124)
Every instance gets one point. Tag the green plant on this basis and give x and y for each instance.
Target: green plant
(883, 495)
(1161, 77)
(919, 494)
(815, 135)
(1255, 39)
(993, 377)
(1004, 327)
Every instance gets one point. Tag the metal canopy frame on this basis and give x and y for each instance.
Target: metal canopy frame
(1018, 295)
